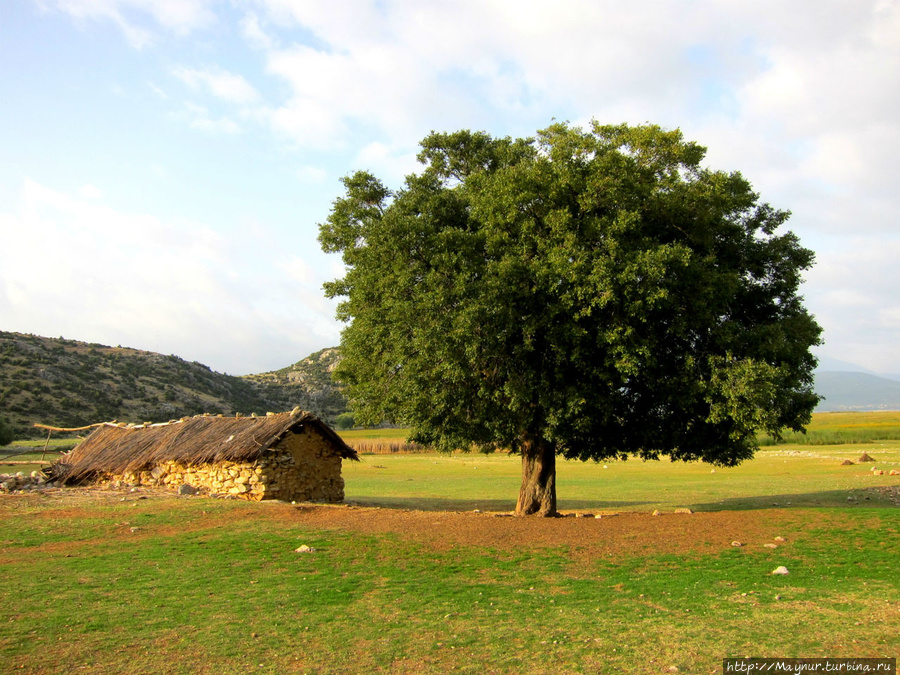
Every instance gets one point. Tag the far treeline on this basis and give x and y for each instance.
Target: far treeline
(67, 383)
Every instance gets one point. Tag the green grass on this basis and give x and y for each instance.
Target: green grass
(55, 443)
(841, 428)
(196, 585)
(216, 587)
(783, 476)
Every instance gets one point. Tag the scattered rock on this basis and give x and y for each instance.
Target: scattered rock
(185, 489)
(305, 549)
(770, 545)
(780, 539)
(894, 472)
(847, 462)
(655, 513)
(865, 457)
(877, 472)
(736, 544)
(781, 569)
(683, 511)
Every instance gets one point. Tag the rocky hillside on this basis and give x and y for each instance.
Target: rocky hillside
(68, 383)
(308, 380)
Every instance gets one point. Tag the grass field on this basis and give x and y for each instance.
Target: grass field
(787, 476)
(105, 582)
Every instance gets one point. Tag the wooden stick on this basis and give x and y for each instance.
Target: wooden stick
(49, 433)
(89, 426)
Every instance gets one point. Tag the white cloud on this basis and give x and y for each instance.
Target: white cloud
(90, 192)
(808, 85)
(158, 91)
(382, 160)
(254, 32)
(78, 268)
(219, 126)
(816, 116)
(799, 96)
(312, 174)
(201, 121)
(179, 16)
(222, 84)
(297, 269)
(852, 290)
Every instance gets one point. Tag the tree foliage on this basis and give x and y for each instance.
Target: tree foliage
(591, 293)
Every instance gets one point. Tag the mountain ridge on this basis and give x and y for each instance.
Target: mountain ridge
(860, 391)
(69, 383)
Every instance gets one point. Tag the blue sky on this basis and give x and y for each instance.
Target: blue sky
(164, 164)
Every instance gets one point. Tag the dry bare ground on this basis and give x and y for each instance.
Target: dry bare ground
(583, 535)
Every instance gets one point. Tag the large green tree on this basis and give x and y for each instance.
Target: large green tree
(586, 293)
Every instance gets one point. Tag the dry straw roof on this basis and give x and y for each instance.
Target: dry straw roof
(117, 448)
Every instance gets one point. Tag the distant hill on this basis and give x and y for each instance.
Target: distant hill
(68, 383)
(308, 380)
(856, 391)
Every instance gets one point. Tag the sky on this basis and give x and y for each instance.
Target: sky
(164, 164)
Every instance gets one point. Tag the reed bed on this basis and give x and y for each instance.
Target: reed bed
(387, 447)
(842, 428)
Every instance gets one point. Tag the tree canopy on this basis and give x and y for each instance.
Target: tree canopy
(587, 293)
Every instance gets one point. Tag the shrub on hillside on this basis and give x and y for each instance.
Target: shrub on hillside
(6, 434)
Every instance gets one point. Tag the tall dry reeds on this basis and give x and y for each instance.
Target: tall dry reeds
(387, 447)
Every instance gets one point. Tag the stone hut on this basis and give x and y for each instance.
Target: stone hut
(291, 456)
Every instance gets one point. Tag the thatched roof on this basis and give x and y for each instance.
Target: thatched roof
(116, 448)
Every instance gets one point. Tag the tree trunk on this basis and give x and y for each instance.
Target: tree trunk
(538, 492)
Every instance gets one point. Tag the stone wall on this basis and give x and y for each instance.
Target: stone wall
(308, 468)
(303, 467)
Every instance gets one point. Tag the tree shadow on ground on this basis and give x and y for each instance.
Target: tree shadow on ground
(852, 498)
(494, 505)
(434, 503)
